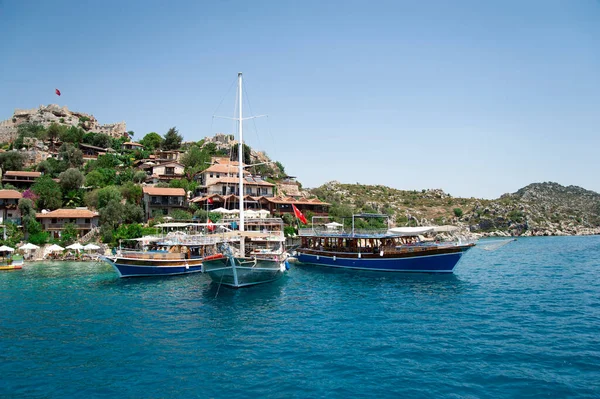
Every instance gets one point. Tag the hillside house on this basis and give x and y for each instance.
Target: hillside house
(132, 146)
(91, 151)
(9, 210)
(55, 222)
(19, 178)
(167, 156)
(164, 172)
(163, 200)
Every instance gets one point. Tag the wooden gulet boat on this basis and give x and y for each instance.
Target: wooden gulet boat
(390, 250)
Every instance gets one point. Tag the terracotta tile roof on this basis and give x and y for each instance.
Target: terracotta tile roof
(10, 194)
(217, 168)
(224, 161)
(20, 173)
(68, 213)
(164, 191)
(132, 143)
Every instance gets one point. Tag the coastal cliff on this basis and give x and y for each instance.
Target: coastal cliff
(539, 209)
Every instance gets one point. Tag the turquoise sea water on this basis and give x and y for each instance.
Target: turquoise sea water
(522, 321)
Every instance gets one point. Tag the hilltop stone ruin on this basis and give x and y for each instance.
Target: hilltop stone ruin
(53, 113)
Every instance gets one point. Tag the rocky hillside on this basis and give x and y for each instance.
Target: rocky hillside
(538, 209)
(45, 115)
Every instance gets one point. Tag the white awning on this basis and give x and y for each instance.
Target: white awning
(411, 231)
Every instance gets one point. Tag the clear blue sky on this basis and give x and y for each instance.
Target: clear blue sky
(478, 98)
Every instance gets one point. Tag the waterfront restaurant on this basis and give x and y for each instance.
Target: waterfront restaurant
(55, 221)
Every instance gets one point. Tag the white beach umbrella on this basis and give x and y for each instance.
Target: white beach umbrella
(263, 213)
(249, 213)
(28, 246)
(77, 246)
(4, 248)
(220, 210)
(91, 247)
(54, 248)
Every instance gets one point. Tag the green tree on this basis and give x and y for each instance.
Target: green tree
(129, 231)
(111, 216)
(51, 167)
(281, 167)
(133, 213)
(98, 139)
(73, 134)
(195, 157)
(132, 193)
(70, 155)
(73, 198)
(68, 235)
(54, 132)
(27, 211)
(107, 195)
(125, 176)
(39, 238)
(94, 179)
(246, 159)
(180, 214)
(24, 130)
(151, 141)
(139, 176)
(71, 179)
(91, 199)
(48, 192)
(108, 161)
(172, 140)
(14, 235)
(458, 212)
(11, 160)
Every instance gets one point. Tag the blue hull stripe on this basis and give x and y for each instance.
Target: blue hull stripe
(443, 263)
(143, 271)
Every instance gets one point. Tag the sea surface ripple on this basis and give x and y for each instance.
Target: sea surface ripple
(519, 322)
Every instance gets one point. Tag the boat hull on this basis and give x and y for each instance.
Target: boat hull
(14, 265)
(243, 272)
(439, 261)
(127, 267)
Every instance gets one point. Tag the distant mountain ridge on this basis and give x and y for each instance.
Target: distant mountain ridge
(537, 209)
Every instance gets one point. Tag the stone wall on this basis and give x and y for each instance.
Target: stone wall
(53, 113)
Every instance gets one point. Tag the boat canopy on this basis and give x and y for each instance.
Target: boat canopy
(251, 234)
(411, 231)
(183, 224)
(445, 229)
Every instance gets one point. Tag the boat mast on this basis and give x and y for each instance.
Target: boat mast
(240, 159)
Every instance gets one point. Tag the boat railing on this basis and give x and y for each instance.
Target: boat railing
(325, 232)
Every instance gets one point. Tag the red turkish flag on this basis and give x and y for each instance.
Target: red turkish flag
(210, 226)
(299, 214)
(57, 92)
(210, 201)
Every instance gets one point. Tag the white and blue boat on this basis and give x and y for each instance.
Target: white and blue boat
(398, 249)
(152, 263)
(177, 253)
(250, 265)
